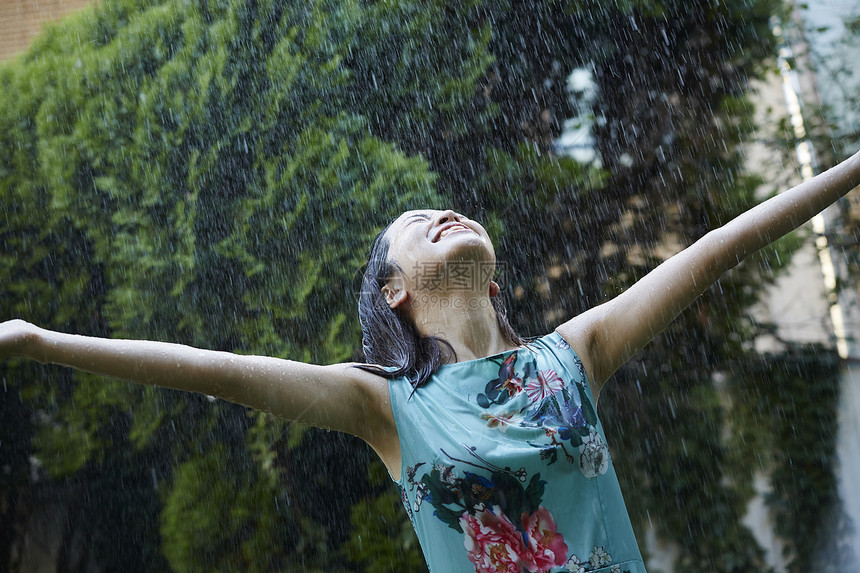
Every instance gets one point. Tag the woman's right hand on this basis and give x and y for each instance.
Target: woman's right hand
(17, 337)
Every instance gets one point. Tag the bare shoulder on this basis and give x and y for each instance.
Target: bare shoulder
(579, 333)
(372, 387)
(369, 391)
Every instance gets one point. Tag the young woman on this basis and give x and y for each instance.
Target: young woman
(495, 442)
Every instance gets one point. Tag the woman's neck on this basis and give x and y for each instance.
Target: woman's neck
(466, 321)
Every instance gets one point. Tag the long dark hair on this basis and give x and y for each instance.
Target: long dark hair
(392, 345)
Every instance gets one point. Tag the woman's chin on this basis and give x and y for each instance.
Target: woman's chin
(470, 249)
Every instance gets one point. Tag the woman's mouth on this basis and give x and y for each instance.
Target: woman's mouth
(449, 229)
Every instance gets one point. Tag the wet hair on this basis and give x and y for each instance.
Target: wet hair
(392, 345)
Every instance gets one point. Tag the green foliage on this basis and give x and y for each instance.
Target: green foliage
(192, 172)
(415, 85)
(237, 518)
(796, 440)
(383, 539)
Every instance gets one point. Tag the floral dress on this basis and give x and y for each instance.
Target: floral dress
(505, 467)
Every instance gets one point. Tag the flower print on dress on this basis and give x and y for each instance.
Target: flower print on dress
(594, 456)
(574, 565)
(546, 544)
(420, 494)
(562, 409)
(500, 421)
(481, 489)
(544, 385)
(599, 557)
(405, 501)
(505, 386)
(499, 512)
(493, 543)
(447, 473)
(410, 474)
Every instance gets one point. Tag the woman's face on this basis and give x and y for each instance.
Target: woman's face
(424, 242)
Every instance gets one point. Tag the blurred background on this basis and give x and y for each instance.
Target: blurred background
(212, 172)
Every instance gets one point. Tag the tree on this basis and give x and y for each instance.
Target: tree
(204, 181)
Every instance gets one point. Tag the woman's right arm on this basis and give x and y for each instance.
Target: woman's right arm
(337, 397)
(609, 334)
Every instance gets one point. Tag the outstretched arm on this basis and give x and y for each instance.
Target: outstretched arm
(608, 335)
(338, 396)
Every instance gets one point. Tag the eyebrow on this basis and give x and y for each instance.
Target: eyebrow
(421, 215)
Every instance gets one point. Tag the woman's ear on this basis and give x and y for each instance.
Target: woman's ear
(394, 292)
(494, 289)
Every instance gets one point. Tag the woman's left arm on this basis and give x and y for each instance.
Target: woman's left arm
(608, 335)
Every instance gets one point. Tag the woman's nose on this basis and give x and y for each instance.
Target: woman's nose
(446, 217)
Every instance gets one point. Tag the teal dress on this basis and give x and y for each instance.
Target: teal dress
(505, 467)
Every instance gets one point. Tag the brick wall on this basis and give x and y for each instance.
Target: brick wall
(21, 20)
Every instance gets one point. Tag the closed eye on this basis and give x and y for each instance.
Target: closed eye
(414, 218)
